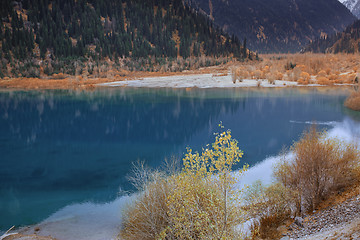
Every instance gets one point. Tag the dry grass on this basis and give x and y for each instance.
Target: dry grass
(302, 68)
(148, 216)
(269, 207)
(324, 69)
(320, 168)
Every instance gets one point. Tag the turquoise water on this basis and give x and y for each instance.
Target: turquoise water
(63, 147)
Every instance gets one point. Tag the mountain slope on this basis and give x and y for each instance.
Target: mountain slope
(347, 41)
(146, 32)
(277, 25)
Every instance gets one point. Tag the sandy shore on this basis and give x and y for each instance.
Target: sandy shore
(197, 80)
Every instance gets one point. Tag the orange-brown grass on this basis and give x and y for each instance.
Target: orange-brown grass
(353, 101)
(62, 81)
(321, 167)
(338, 68)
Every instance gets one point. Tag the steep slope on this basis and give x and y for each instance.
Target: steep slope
(347, 41)
(277, 25)
(353, 6)
(356, 9)
(144, 33)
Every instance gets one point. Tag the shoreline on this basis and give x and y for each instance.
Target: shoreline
(175, 81)
(210, 77)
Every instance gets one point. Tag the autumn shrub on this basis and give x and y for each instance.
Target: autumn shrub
(234, 76)
(323, 81)
(320, 167)
(302, 81)
(147, 217)
(304, 78)
(238, 74)
(271, 77)
(333, 77)
(197, 202)
(353, 101)
(258, 74)
(279, 75)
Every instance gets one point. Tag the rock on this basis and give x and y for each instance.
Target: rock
(285, 238)
(299, 221)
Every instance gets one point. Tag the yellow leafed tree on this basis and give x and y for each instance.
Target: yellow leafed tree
(201, 203)
(198, 202)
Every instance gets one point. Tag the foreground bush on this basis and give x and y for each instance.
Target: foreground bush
(148, 216)
(317, 168)
(196, 203)
(320, 167)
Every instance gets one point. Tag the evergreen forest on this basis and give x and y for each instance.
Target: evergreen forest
(67, 36)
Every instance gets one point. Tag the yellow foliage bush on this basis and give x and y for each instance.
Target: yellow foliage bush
(196, 203)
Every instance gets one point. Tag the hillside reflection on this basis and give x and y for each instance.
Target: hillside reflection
(104, 116)
(62, 147)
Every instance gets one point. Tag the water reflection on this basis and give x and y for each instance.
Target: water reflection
(61, 147)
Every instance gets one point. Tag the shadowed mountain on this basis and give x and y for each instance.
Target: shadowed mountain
(347, 41)
(277, 25)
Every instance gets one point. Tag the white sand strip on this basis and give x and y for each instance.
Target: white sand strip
(199, 81)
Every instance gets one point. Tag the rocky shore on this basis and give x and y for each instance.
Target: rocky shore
(337, 221)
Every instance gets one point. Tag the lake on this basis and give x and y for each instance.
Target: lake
(59, 148)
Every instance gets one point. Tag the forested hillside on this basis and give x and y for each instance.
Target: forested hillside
(70, 36)
(272, 26)
(347, 41)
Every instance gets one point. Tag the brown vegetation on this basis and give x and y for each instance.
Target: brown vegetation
(320, 169)
(323, 69)
(270, 207)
